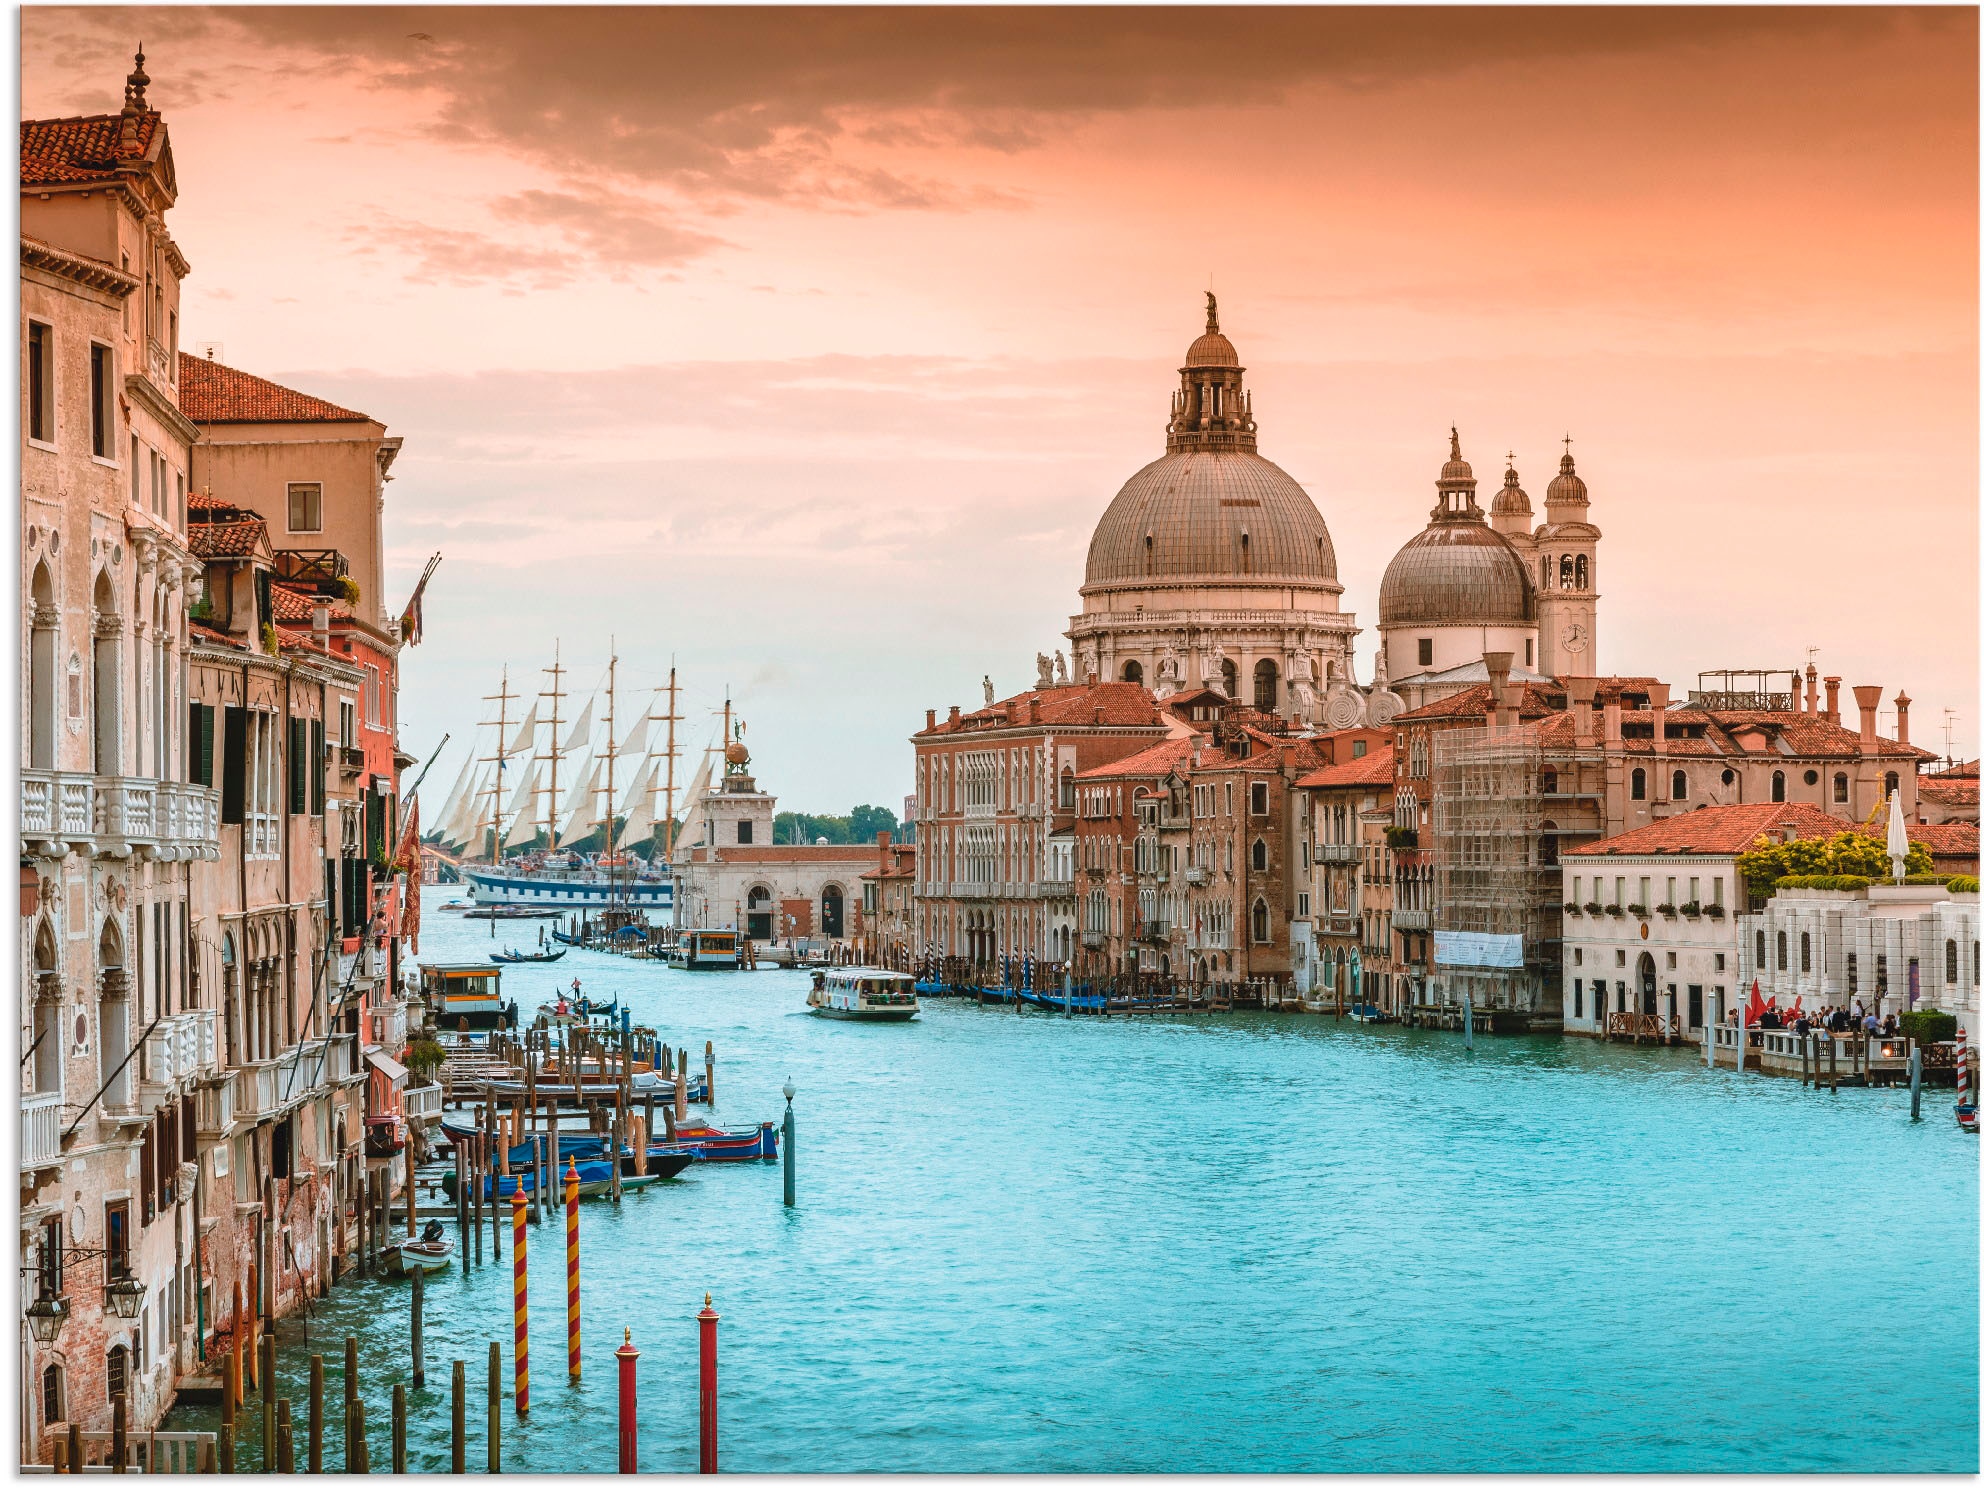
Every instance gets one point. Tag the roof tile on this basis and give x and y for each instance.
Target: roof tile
(210, 393)
(64, 152)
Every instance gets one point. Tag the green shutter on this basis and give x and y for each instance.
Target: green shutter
(299, 766)
(234, 766)
(316, 767)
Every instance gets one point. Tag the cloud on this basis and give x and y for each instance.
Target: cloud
(609, 227)
(425, 254)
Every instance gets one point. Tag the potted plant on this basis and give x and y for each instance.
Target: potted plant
(1638, 909)
(1593, 907)
(1713, 911)
(1666, 909)
(423, 1057)
(1613, 909)
(1692, 909)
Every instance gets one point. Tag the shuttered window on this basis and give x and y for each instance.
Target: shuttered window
(234, 765)
(299, 766)
(316, 767)
(200, 745)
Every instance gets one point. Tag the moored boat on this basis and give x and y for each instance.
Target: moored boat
(704, 950)
(863, 994)
(712, 1144)
(431, 1252)
(519, 958)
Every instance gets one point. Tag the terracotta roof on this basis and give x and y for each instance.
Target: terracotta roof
(63, 152)
(1477, 702)
(210, 393)
(1159, 759)
(294, 606)
(1374, 769)
(1946, 839)
(1951, 791)
(1122, 704)
(227, 539)
(1719, 830)
(200, 501)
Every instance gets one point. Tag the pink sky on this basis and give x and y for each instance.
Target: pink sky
(808, 346)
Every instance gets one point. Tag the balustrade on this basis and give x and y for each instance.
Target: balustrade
(41, 1129)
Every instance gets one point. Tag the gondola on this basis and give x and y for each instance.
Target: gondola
(567, 938)
(712, 1144)
(431, 1252)
(519, 958)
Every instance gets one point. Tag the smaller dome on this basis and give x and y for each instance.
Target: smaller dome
(1212, 350)
(1511, 500)
(736, 753)
(1567, 489)
(1457, 572)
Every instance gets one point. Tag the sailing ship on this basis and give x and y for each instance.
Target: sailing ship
(609, 784)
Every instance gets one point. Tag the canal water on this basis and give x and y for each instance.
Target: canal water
(1025, 1243)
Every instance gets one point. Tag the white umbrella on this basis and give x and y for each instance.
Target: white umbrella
(1897, 837)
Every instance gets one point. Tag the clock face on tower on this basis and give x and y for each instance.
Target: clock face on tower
(1575, 638)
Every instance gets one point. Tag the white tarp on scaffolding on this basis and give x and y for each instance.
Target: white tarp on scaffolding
(1473, 948)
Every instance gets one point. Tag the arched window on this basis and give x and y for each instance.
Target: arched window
(1949, 962)
(1261, 926)
(107, 676)
(1584, 572)
(1549, 782)
(1265, 677)
(1680, 785)
(1133, 671)
(1150, 555)
(1246, 553)
(1890, 783)
(117, 1369)
(1067, 788)
(1566, 572)
(1762, 963)
(42, 685)
(1547, 845)
(1639, 785)
(1783, 956)
(1543, 572)
(831, 923)
(1229, 678)
(1804, 950)
(51, 1395)
(1839, 789)
(1260, 855)
(1777, 785)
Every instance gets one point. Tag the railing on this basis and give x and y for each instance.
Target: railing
(125, 810)
(1094, 940)
(56, 807)
(41, 1130)
(1154, 931)
(173, 1048)
(255, 1089)
(1196, 875)
(338, 1060)
(1412, 919)
(1635, 1026)
(144, 1451)
(386, 1026)
(214, 1109)
(116, 814)
(1337, 852)
(422, 1102)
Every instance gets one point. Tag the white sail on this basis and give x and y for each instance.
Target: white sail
(522, 803)
(641, 784)
(582, 803)
(453, 803)
(636, 742)
(575, 788)
(459, 822)
(640, 817)
(520, 742)
(692, 823)
(581, 731)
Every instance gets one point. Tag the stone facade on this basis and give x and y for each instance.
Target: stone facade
(1891, 947)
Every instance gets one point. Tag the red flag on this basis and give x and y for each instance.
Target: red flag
(1754, 1013)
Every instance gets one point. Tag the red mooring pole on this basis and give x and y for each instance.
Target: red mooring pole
(627, 1354)
(706, 1319)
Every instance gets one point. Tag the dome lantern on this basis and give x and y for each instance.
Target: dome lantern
(1567, 489)
(1459, 570)
(1212, 409)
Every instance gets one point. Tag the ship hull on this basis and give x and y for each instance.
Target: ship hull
(592, 893)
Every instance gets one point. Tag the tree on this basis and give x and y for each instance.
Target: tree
(1847, 852)
(865, 821)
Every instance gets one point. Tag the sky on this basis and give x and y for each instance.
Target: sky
(805, 347)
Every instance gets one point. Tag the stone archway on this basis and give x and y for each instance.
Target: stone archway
(833, 918)
(1646, 984)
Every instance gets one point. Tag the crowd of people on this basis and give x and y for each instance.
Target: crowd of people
(1832, 1019)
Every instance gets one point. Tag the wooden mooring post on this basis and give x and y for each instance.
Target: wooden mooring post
(458, 1444)
(316, 1424)
(399, 1428)
(419, 1321)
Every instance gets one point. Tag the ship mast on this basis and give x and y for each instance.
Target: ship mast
(671, 718)
(502, 698)
(612, 751)
(556, 671)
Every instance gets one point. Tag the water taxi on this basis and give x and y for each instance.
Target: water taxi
(863, 994)
(704, 950)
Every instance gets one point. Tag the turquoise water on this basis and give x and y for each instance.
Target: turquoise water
(1027, 1243)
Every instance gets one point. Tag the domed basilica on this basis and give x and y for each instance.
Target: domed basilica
(1213, 568)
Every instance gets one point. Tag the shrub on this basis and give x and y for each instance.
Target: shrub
(1962, 883)
(1593, 907)
(348, 589)
(1666, 909)
(271, 642)
(423, 1057)
(1692, 907)
(1848, 881)
(1767, 864)
(1397, 837)
(1928, 1025)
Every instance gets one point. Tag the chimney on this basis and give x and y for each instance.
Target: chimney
(1831, 714)
(1581, 690)
(929, 719)
(320, 622)
(1098, 706)
(954, 712)
(1612, 718)
(1498, 663)
(1657, 694)
(1811, 689)
(1093, 678)
(1033, 709)
(1869, 699)
(1901, 702)
(882, 841)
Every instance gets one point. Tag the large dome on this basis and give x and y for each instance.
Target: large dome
(1213, 515)
(1457, 572)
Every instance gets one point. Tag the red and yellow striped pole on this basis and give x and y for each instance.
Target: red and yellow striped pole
(572, 1267)
(518, 1217)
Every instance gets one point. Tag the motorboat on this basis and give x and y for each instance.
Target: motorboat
(518, 958)
(431, 1252)
(863, 994)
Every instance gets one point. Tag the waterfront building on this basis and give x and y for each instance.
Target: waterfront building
(995, 805)
(1650, 919)
(1948, 795)
(193, 1104)
(732, 874)
(1212, 567)
(888, 902)
(1348, 904)
(1129, 885)
(1892, 947)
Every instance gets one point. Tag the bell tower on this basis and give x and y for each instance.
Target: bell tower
(1567, 573)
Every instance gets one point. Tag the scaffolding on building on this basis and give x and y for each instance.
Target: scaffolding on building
(1495, 865)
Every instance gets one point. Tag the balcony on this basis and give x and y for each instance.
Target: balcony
(181, 1047)
(1197, 875)
(1155, 932)
(1337, 852)
(118, 816)
(1094, 940)
(255, 1089)
(1412, 919)
(386, 1026)
(214, 1107)
(340, 1058)
(41, 1130)
(422, 1103)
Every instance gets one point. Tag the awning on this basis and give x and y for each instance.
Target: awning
(385, 1064)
